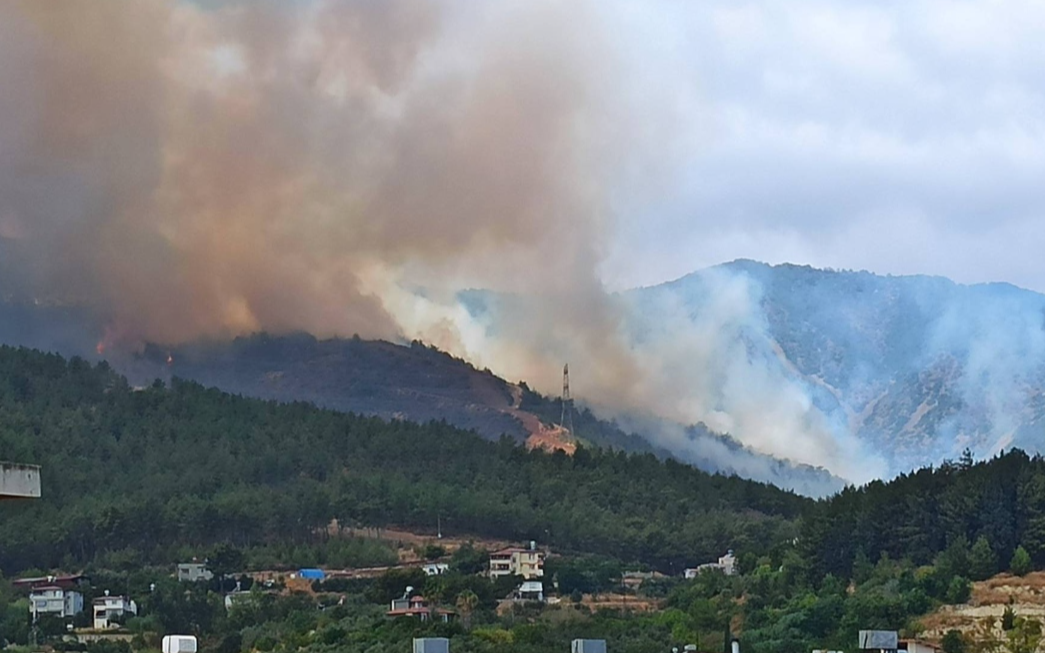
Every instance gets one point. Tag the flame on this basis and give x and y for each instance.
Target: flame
(100, 347)
(170, 359)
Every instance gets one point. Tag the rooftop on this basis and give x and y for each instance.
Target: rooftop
(40, 582)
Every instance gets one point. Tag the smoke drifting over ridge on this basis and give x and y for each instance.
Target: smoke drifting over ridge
(275, 165)
(345, 168)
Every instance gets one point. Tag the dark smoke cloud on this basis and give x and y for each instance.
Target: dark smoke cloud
(276, 165)
(345, 167)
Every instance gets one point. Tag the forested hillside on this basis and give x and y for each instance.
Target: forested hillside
(134, 479)
(997, 505)
(164, 467)
(412, 381)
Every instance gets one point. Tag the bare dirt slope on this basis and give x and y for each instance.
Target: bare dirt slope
(989, 599)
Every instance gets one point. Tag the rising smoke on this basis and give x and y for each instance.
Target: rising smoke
(200, 169)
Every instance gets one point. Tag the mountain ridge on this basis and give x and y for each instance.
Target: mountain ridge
(919, 366)
(410, 381)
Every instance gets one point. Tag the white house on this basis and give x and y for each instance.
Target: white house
(191, 572)
(108, 608)
(530, 590)
(54, 600)
(727, 564)
(435, 568)
(516, 561)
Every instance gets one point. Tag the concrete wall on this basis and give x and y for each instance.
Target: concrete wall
(19, 481)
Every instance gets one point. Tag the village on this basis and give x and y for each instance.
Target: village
(68, 597)
(89, 614)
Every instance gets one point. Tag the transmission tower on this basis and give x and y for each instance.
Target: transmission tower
(566, 421)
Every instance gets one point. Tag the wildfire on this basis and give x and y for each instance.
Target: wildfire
(170, 359)
(118, 339)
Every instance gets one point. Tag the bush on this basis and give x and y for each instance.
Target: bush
(958, 591)
(103, 646)
(953, 642)
(1008, 619)
(434, 552)
(1020, 564)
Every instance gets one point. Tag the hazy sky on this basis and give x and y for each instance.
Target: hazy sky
(899, 137)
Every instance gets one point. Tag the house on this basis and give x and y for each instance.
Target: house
(432, 645)
(418, 607)
(530, 590)
(727, 564)
(516, 561)
(55, 600)
(68, 582)
(916, 646)
(107, 609)
(236, 597)
(635, 579)
(193, 572)
(435, 568)
(312, 574)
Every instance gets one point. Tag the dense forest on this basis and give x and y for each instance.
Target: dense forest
(998, 504)
(152, 471)
(136, 478)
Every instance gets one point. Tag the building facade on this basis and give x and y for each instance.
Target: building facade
(516, 561)
(727, 564)
(55, 601)
(109, 609)
(435, 568)
(419, 608)
(192, 572)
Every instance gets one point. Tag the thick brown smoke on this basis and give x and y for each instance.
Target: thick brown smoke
(276, 165)
(194, 169)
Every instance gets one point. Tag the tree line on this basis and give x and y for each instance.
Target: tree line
(153, 473)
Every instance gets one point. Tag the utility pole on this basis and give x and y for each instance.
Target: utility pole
(566, 420)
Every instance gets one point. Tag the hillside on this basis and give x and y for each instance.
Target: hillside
(981, 617)
(137, 478)
(889, 373)
(916, 368)
(413, 382)
(163, 469)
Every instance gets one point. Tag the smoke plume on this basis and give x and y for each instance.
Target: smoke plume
(346, 167)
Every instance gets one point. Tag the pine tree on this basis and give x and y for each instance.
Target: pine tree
(983, 562)
(1020, 564)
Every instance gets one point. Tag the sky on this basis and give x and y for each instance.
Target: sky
(899, 137)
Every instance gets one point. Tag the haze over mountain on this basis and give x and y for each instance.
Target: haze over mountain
(412, 382)
(862, 374)
(913, 369)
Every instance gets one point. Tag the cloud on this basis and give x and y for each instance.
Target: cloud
(831, 121)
